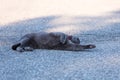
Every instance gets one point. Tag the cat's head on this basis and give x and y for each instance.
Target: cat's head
(74, 39)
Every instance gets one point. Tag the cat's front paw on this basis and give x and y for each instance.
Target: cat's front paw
(90, 46)
(20, 49)
(28, 49)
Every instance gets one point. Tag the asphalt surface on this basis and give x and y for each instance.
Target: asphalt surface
(93, 21)
(101, 63)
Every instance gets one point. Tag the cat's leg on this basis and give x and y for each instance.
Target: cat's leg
(28, 49)
(90, 46)
(22, 45)
(77, 47)
(22, 49)
(14, 47)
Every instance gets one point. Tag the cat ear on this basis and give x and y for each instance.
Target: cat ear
(63, 38)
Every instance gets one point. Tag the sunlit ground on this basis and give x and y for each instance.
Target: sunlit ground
(15, 10)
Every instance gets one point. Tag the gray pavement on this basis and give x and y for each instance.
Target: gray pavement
(101, 63)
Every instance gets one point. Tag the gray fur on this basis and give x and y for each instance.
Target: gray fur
(52, 40)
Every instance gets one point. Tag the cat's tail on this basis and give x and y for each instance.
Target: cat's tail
(14, 47)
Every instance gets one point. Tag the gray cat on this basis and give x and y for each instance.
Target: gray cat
(52, 40)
